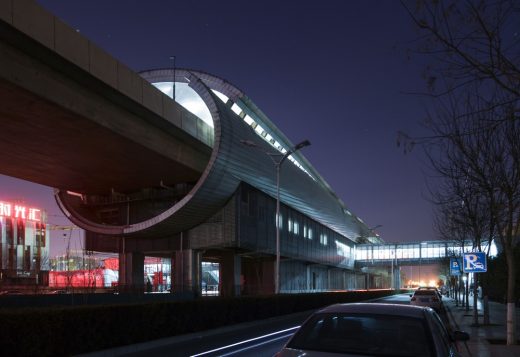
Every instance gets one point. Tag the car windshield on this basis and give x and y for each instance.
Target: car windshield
(376, 335)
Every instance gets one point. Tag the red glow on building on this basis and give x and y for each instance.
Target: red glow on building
(77, 278)
(112, 263)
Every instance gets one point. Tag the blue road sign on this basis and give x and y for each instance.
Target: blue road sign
(454, 266)
(474, 262)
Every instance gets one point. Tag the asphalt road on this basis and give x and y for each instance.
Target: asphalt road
(253, 339)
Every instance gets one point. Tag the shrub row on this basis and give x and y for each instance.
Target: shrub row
(72, 330)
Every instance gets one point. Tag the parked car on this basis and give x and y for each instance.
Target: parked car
(427, 297)
(373, 329)
(431, 288)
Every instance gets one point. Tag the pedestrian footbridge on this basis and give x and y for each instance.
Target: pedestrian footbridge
(414, 253)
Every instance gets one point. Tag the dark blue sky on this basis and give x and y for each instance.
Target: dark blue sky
(333, 72)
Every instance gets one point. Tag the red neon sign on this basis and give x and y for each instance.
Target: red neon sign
(18, 211)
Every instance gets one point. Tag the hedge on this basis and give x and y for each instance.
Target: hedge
(55, 331)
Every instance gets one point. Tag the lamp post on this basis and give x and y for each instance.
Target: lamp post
(278, 164)
(392, 254)
(172, 58)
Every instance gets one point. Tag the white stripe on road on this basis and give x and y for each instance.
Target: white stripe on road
(257, 345)
(246, 341)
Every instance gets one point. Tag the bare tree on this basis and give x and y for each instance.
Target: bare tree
(474, 77)
(462, 209)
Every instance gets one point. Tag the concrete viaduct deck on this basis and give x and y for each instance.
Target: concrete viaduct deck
(75, 118)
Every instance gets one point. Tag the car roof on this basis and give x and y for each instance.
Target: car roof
(426, 292)
(377, 308)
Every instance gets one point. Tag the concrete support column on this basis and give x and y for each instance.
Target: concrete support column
(268, 277)
(186, 268)
(396, 284)
(230, 271)
(309, 283)
(131, 272)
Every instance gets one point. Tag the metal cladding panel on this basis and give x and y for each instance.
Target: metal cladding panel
(232, 162)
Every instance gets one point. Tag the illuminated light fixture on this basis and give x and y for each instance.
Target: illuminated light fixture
(72, 193)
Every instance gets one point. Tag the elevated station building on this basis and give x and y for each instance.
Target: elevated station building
(156, 164)
(226, 213)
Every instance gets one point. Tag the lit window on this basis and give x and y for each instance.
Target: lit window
(188, 98)
(323, 239)
(222, 96)
(236, 109)
(248, 120)
(296, 229)
(310, 233)
(259, 129)
(289, 225)
(280, 221)
(304, 231)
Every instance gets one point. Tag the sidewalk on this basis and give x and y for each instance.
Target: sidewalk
(479, 344)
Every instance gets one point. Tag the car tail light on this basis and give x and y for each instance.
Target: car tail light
(434, 299)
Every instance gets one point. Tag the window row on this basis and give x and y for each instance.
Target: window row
(294, 227)
(260, 131)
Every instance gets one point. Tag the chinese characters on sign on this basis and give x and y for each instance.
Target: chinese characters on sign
(19, 211)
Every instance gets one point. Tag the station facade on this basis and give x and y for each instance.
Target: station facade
(227, 216)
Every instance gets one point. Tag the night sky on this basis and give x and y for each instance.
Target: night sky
(334, 72)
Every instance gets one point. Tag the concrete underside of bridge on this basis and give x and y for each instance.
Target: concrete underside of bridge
(53, 113)
(41, 142)
(75, 119)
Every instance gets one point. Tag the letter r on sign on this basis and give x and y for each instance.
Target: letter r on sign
(470, 259)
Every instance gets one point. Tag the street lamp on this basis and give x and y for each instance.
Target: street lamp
(278, 164)
(172, 58)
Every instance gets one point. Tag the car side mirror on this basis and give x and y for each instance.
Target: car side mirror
(411, 295)
(460, 336)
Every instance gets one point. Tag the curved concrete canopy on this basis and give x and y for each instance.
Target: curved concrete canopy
(235, 120)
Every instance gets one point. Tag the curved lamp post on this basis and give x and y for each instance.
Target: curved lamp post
(278, 159)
